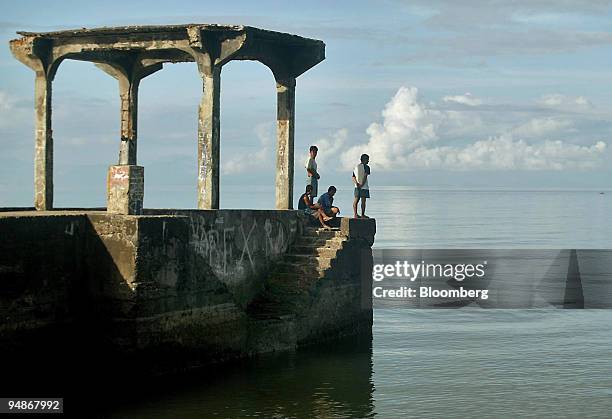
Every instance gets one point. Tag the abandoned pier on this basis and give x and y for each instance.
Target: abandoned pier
(173, 289)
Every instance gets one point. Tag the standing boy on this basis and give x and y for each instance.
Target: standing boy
(362, 190)
(312, 177)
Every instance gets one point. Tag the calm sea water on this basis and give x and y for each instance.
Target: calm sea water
(436, 363)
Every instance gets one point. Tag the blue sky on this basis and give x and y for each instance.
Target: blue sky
(440, 93)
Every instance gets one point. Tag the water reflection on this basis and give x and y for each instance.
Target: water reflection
(442, 219)
(334, 380)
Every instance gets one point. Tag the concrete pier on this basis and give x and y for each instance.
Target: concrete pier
(164, 290)
(205, 286)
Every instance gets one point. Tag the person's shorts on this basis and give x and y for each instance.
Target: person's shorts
(329, 212)
(362, 193)
(314, 182)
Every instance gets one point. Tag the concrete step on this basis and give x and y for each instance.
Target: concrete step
(335, 242)
(299, 270)
(316, 251)
(319, 251)
(289, 289)
(321, 232)
(293, 278)
(309, 261)
(318, 228)
(327, 252)
(304, 249)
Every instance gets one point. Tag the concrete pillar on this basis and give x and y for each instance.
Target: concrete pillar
(128, 92)
(43, 160)
(125, 188)
(208, 140)
(285, 127)
(125, 181)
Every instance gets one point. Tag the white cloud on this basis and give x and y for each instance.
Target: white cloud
(407, 124)
(329, 148)
(507, 153)
(410, 133)
(552, 100)
(571, 102)
(242, 162)
(539, 127)
(582, 101)
(466, 99)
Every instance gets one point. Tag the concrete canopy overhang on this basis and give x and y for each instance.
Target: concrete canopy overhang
(208, 45)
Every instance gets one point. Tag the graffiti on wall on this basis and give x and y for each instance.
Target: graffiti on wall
(238, 248)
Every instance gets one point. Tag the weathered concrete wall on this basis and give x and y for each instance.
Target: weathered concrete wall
(41, 262)
(178, 288)
(237, 246)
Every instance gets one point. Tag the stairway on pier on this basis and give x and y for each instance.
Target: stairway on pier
(308, 261)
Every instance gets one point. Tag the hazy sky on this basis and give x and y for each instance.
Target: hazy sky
(438, 92)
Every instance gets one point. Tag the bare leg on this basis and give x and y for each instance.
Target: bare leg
(355, 201)
(320, 215)
(363, 206)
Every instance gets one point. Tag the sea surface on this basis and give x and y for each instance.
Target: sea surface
(435, 363)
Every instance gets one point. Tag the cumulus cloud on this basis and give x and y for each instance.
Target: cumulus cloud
(409, 137)
(507, 153)
(466, 99)
(242, 162)
(407, 124)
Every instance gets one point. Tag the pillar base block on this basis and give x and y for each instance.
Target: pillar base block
(125, 189)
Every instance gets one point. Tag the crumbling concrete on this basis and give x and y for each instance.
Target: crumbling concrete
(132, 53)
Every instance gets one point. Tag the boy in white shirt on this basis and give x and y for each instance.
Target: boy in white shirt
(312, 176)
(362, 190)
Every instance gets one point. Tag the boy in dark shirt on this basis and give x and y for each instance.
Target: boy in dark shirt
(305, 203)
(327, 211)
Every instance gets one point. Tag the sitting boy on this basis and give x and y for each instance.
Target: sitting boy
(306, 205)
(327, 211)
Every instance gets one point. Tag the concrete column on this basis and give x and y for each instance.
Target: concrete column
(43, 160)
(208, 140)
(285, 127)
(128, 91)
(125, 189)
(125, 181)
